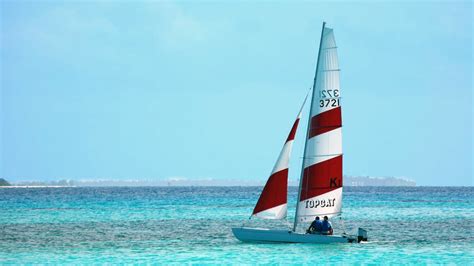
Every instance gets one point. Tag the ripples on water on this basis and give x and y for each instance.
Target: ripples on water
(150, 224)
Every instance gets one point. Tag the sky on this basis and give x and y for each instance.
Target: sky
(209, 90)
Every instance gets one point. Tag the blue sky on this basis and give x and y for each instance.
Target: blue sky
(210, 90)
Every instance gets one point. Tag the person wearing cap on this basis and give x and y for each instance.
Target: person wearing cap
(326, 227)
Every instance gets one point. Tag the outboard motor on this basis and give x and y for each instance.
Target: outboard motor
(361, 235)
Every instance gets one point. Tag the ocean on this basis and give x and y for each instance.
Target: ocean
(174, 225)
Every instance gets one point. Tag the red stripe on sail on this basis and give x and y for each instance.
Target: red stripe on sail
(321, 178)
(325, 121)
(292, 134)
(274, 192)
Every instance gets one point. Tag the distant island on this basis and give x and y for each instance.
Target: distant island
(4, 183)
(351, 181)
(60, 183)
(367, 181)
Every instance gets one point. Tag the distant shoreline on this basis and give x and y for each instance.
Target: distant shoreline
(361, 181)
(208, 186)
(349, 182)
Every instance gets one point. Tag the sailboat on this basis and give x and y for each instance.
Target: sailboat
(320, 186)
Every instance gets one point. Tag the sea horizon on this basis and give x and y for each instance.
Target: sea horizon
(181, 181)
(255, 186)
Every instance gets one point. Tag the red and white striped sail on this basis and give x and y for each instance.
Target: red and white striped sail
(272, 203)
(321, 177)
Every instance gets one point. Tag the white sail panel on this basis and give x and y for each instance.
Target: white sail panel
(284, 157)
(278, 212)
(326, 146)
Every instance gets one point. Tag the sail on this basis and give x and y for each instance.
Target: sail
(321, 178)
(272, 203)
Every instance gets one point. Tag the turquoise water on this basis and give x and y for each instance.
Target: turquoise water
(428, 225)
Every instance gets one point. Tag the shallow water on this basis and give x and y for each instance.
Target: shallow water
(192, 224)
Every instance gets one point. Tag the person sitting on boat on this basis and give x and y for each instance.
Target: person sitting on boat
(315, 227)
(326, 227)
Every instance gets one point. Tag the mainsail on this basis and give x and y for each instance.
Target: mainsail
(272, 203)
(320, 191)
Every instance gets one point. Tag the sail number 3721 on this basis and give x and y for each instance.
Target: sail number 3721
(329, 98)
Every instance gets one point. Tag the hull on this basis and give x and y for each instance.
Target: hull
(284, 236)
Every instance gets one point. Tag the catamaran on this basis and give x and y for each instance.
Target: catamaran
(320, 186)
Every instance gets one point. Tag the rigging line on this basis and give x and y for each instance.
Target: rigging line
(243, 223)
(343, 226)
(305, 98)
(288, 224)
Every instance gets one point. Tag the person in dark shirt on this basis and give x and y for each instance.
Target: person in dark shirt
(326, 227)
(315, 227)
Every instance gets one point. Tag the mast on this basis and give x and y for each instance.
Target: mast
(308, 129)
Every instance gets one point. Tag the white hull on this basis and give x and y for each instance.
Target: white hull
(268, 235)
